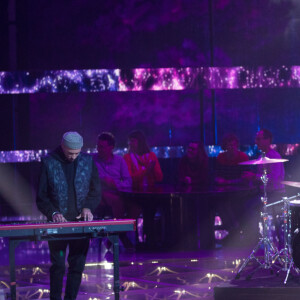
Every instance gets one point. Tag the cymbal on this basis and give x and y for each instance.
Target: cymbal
(263, 161)
(291, 183)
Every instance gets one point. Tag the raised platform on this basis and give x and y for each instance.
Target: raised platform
(261, 287)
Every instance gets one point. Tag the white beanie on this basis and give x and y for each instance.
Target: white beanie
(72, 140)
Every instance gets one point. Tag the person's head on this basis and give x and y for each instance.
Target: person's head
(196, 151)
(105, 145)
(264, 139)
(71, 145)
(230, 143)
(137, 142)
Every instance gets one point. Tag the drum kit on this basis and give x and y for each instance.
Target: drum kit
(275, 259)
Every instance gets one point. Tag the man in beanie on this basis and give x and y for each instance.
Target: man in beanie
(69, 189)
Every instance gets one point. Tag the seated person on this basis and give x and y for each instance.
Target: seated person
(228, 170)
(113, 174)
(145, 171)
(193, 167)
(143, 164)
(275, 172)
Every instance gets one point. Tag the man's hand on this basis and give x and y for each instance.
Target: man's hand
(58, 218)
(86, 215)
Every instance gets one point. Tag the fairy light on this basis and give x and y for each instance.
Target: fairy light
(22, 156)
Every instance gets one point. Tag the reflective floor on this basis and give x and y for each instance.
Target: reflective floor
(143, 275)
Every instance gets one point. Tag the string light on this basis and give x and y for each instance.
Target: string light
(161, 152)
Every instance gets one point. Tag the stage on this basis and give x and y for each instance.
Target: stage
(150, 275)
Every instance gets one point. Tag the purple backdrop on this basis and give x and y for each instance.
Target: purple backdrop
(76, 34)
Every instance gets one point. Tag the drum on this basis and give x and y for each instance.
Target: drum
(294, 215)
(296, 248)
(295, 230)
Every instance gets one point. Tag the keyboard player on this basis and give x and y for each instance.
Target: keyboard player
(69, 188)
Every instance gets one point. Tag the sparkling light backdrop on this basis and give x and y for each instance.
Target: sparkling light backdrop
(161, 79)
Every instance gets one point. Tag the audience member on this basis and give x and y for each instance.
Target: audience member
(143, 164)
(275, 171)
(228, 169)
(193, 167)
(229, 172)
(145, 171)
(113, 174)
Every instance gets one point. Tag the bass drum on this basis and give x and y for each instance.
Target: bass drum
(296, 248)
(295, 230)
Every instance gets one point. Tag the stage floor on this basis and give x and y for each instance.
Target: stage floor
(149, 275)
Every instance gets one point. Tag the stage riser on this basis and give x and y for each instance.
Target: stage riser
(235, 293)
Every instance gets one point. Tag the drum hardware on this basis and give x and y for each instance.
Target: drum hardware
(271, 253)
(294, 232)
(296, 249)
(285, 254)
(294, 241)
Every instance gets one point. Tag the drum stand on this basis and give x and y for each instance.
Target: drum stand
(270, 250)
(284, 254)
